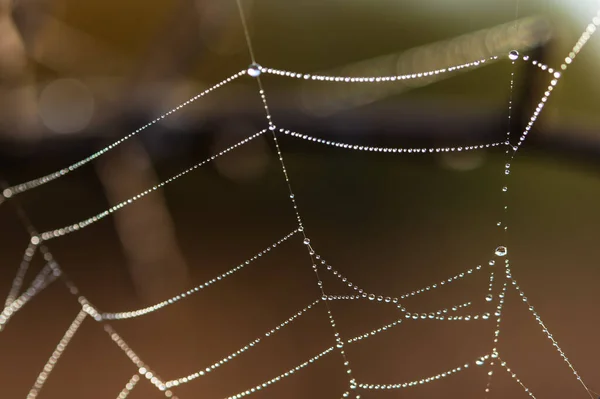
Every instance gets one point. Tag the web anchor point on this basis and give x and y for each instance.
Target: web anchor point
(254, 70)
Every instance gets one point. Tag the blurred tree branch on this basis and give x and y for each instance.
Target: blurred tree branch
(146, 230)
(18, 108)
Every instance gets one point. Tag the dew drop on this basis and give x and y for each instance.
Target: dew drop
(492, 262)
(501, 251)
(485, 316)
(505, 189)
(479, 362)
(254, 70)
(507, 166)
(513, 55)
(489, 297)
(306, 241)
(371, 297)
(507, 172)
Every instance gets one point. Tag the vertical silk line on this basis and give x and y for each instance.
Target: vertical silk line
(311, 252)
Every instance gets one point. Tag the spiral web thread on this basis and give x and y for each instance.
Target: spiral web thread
(17, 298)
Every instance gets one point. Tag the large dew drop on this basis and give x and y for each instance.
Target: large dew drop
(254, 70)
(513, 55)
(489, 297)
(501, 251)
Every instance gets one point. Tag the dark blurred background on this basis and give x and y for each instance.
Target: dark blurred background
(76, 76)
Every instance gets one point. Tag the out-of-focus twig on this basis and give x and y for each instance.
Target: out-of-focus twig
(68, 50)
(18, 106)
(523, 34)
(146, 230)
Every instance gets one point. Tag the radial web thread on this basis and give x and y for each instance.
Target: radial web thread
(17, 298)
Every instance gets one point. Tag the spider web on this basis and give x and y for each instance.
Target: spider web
(500, 273)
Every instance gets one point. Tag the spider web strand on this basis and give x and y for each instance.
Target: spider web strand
(375, 79)
(44, 278)
(243, 349)
(60, 348)
(87, 309)
(583, 39)
(272, 127)
(406, 295)
(286, 374)
(20, 188)
(143, 311)
(389, 149)
(514, 377)
(448, 373)
(549, 335)
(129, 387)
(21, 271)
(143, 369)
(52, 270)
(48, 235)
(496, 337)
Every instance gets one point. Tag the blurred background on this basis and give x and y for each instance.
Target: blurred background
(77, 76)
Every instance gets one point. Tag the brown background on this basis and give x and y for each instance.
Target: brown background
(391, 223)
